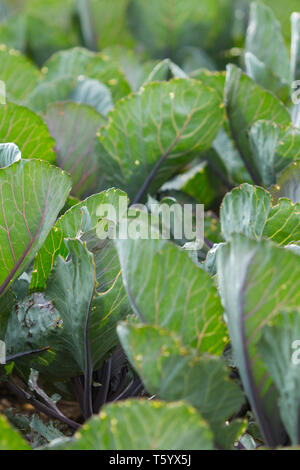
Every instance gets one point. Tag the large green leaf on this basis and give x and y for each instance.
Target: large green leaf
(174, 373)
(143, 425)
(32, 194)
(10, 439)
(167, 289)
(82, 90)
(108, 309)
(266, 77)
(245, 210)
(35, 323)
(110, 303)
(288, 184)
(283, 224)
(256, 281)
(265, 41)
(80, 62)
(57, 324)
(108, 21)
(276, 348)
(214, 80)
(70, 318)
(274, 148)
(52, 10)
(225, 159)
(71, 289)
(246, 102)
(45, 38)
(27, 131)
(93, 93)
(50, 27)
(76, 222)
(164, 27)
(74, 127)
(155, 132)
(18, 73)
(50, 92)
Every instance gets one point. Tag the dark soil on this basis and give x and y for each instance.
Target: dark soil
(8, 400)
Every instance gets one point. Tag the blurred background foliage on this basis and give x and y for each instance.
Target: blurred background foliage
(193, 33)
